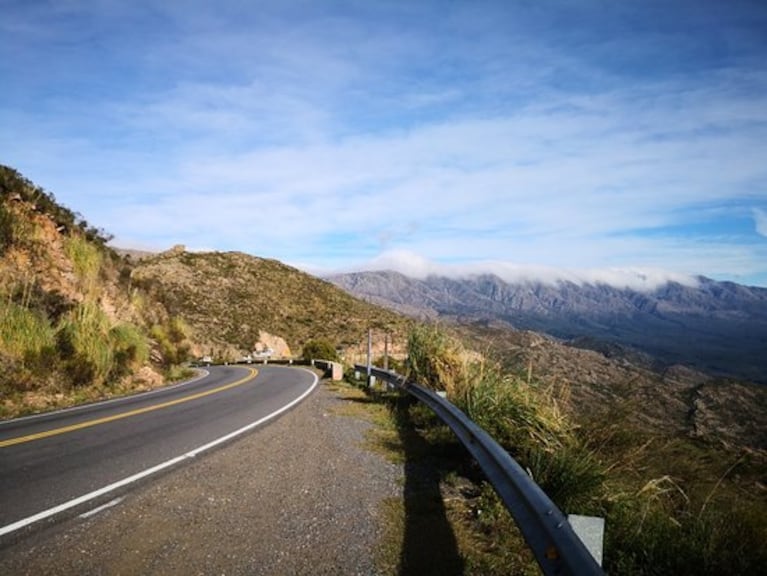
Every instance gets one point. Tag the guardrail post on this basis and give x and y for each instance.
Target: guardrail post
(591, 531)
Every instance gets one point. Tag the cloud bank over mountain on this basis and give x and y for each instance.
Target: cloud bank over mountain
(415, 266)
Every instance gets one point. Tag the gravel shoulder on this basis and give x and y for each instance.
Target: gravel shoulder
(300, 496)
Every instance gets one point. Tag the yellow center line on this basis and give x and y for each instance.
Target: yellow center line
(89, 423)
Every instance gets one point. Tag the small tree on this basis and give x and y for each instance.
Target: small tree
(319, 349)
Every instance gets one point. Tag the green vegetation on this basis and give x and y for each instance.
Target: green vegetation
(319, 349)
(86, 259)
(672, 505)
(70, 330)
(13, 183)
(227, 299)
(24, 333)
(83, 344)
(130, 349)
(172, 339)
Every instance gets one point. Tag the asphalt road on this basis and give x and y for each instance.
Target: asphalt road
(73, 460)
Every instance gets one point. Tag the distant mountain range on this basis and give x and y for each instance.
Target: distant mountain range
(718, 327)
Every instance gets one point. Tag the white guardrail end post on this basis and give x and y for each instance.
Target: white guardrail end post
(591, 531)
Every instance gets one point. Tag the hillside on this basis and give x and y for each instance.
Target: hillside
(70, 326)
(605, 386)
(80, 321)
(234, 303)
(717, 327)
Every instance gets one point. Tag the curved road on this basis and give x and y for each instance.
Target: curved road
(77, 458)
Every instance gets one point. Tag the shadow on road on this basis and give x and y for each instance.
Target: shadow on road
(429, 545)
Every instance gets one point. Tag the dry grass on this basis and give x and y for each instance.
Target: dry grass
(229, 298)
(672, 504)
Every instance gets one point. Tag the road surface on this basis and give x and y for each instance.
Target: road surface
(73, 460)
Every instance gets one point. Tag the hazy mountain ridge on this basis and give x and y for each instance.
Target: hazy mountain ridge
(719, 327)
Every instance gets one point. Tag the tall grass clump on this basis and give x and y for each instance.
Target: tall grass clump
(658, 530)
(437, 361)
(86, 259)
(23, 332)
(172, 340)
(84, 344)
(130, 349)
(524, 419)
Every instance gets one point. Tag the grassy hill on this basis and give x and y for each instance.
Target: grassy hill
(231, 299)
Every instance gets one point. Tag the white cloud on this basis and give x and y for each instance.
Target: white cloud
(760, 219)
(415, 266)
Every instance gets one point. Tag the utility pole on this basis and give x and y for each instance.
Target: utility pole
(386, 351)
(371, 378)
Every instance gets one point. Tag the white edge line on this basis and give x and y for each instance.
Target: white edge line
(98, 509)
(154, 469)
(203, 374)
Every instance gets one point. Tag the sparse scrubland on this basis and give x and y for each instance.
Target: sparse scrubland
(672, 504)
(71, 329)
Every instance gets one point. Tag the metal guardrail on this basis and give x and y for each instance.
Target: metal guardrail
(556, 547)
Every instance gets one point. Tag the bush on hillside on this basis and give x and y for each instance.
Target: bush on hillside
(319, 349)
(172, 338)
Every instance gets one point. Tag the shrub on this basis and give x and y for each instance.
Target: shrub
(130, 349)
(319, 349)
(6, 227)
(394, 363)
(172, 341)
(23, 332)
(84, 345)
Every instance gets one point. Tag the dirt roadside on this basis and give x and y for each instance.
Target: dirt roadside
(300, 496)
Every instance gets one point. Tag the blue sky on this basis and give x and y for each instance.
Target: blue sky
(524, 137)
